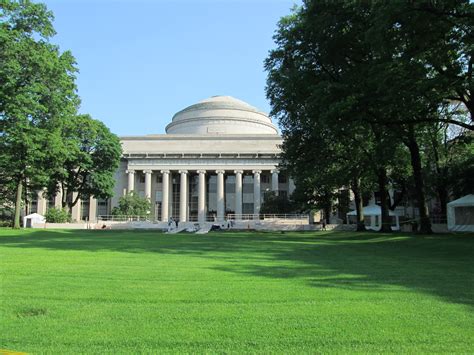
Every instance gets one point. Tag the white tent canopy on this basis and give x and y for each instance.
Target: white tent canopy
(461, 214)
(374, 212)
(32, 218)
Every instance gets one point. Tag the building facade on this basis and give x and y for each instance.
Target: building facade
(218, 156)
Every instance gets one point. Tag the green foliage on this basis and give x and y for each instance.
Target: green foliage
(57, 215)
(357, 86)
(43, 141)
(37, 93)
(276, 204)
(89, 160)
(132, 205)
(235, 292)
(6, 223)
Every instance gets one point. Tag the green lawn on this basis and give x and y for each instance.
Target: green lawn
(129, 292)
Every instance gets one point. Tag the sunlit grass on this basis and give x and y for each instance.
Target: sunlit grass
(128, 292)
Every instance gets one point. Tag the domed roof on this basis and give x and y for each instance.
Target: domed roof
(221, 115)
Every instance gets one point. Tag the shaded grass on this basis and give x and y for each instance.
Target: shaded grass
(123, 291)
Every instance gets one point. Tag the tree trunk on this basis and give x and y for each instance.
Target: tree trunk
(384, 203)
(19, 189)
(443, 199)
(441, 186)
(425, 223)
(327, 214)
(359, 206)
(25, 188)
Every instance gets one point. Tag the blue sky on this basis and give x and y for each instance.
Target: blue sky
(142, 61)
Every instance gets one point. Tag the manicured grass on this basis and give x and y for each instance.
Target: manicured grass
(129, 292)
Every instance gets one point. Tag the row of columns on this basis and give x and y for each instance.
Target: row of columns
(183, 198)
(42, 205)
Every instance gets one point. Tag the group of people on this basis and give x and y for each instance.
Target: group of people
(172, 224)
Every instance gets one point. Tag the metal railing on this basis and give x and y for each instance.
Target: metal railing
(266, 216)
(209, 218)
(113, 218)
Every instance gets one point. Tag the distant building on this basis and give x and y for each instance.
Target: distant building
(218, 156)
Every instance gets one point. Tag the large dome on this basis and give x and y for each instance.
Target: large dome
(221, 115)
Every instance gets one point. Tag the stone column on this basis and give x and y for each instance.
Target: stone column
(147, 183)
(165, 196)
(76, 210)
(202, 196)
(92, 209)
(183, 195)
(58, 199)
(131, 180)
(291, 186)
(238, 193)
(220, 195)
(41, 203)
(256, 191)
(275, 181)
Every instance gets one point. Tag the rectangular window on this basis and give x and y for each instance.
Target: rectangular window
(141, 178)
(51, 202)
(159, 179)
(282, 179)
(85, 210)
(247, 208)
(265, 179)
(101, 207)
(34, 206)
(247, 184)
(158, 196)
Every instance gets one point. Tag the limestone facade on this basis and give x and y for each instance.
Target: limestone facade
(218, 156)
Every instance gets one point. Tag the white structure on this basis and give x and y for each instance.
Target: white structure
(31, 219)
(373, 217)
(218, 156)
(461, 214)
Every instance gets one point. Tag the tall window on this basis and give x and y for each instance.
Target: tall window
(247, 194)
(102, 209)
(85, 208)
(193, 181)
(34, 205)
(175, 197)
(229, 194)
(212, 195)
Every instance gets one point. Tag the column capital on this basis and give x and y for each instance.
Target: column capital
(130, 171)
(238, 171)
(220, 172)
(201, 171)
(148, 171)
(165, 171)
(183, 171)
(275, 171)
(257, 172)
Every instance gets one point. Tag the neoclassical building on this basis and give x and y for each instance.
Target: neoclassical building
(218, 156)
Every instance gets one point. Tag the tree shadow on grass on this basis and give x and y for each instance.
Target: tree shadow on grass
(437, 265)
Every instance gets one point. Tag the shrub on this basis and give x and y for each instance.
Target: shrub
(57, 215)
(6, 223)
(132, 205)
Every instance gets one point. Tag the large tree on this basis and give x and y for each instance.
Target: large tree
(378, 66)
(318, 85)
(37, 93)
(88, 162)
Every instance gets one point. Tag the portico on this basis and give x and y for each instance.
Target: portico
(200, 194)
(218, 156)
